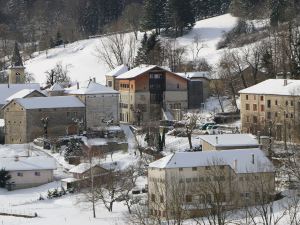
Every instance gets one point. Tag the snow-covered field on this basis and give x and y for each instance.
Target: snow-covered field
(83, 64)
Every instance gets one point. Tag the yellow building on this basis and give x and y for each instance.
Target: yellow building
(272, 107)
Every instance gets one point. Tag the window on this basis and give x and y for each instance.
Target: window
(292, 115)
(254, 119)
(276, 103)
(254, 107)
(188, 180)
(268, 115)
(262, 108)
(286, 103)
(269, 103)
(188, 198)
(247, 119)
(292, 103)
(286, 115)
(37, 173)
(207, 167)
(241, 179)
(109, 83)
(195, 179)
(177, 86)
(194, 168)
(254, 97)
(247, 107)
(261, 98)
(19, 174)
(68, 114)
(222, 167)
(247, 97)
(180, 169)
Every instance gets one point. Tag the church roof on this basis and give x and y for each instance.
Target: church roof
(22, 94)
(8, 90)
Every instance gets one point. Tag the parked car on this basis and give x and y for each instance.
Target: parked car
(212, 129)
(204, 126)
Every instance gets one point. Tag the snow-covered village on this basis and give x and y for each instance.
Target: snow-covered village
(149, 112)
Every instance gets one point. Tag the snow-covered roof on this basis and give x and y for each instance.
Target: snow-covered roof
(228, 140)
(81, 168)
(93, 88)
(274, 87)
(118, 71)
(140, 70)
(84, 167)
(243, 159)
(22, 94)
(8, 90)
(56, 87)
(200, 74)
(50, 102)
(28, 163)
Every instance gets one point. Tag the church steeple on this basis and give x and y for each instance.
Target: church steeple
(16, 59)
(17, 70)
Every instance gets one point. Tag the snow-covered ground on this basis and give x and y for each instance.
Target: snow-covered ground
(83, 64)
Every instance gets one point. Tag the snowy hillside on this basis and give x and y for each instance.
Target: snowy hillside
(83, 64)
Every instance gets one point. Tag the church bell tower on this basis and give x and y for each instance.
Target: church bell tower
(16, 70)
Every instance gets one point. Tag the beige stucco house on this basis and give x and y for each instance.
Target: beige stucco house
(102, 104)
(23, 117)
(28, 172)
(192, 183)
(272, 107)
(228, 141)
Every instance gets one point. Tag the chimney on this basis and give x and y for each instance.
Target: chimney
(252, 159)
(285, 82)
(94, 79)
(16, 158)
(217, 140)
(235, 164)
(77, 85)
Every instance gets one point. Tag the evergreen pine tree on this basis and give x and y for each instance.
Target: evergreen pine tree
(154, 15)
(179, 15)
(58, 40)
(4, 177)
(16, 59)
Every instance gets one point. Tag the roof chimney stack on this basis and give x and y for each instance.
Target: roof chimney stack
(16, 158)
(217, 140)
(253, 159)
(77, 85)
(94, 79)
(285, 82)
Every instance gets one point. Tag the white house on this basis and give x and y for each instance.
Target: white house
(27, 172)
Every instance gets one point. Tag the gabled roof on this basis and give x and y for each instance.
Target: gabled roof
(22, 94)
(8, 90)
(93, 88)
(56, 87)
(243, 159)
(50, 102)
(28, 163)
(227, 140)
(118, 71)
(274, 87)
(84, 167)
(140, 70)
